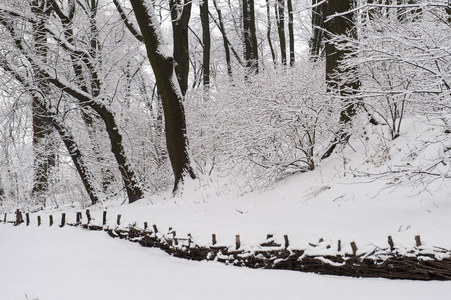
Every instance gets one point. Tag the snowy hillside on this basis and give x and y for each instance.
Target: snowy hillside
(354, 199)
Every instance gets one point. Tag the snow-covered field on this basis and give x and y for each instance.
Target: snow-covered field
(73, 264)
(334, 202)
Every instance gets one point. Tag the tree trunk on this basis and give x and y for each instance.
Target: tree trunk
(171, 96)
(280, 18)
(90, 118)
(291, 31)
(268, 33)
(203, 5)
(250, 38)
(180, 15)
(338, 79)
(44, 151)
(316, 41)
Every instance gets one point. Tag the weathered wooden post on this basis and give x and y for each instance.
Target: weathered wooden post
(79, 215)
(63, 219)
(390, 243)
(145, 225)
(354, 248)
(19, 217)
(213, 239)
(51, 220)
(118, 221)
(4, 219)
(39, 220)
(418, 240)
(104, 218)
(88, 215)
(287, 243)
(155, 228)
(27, 217)
(237, 241)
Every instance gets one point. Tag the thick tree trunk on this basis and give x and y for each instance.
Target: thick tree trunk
(180, 15)
(338, 79)
(45, 157)
(250, 37)
(171, 96)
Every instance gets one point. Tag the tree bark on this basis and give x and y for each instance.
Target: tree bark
(291, 31)
(204, 17)
(180, 15)
(338, 79)
(250, 37)
(170, 92)
(280, 18)
(268, 33)
(316, 41)
(45, 157)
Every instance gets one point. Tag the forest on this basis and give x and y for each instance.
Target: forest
(105, 100)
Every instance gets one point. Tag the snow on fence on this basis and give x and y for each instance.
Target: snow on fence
(416, 263)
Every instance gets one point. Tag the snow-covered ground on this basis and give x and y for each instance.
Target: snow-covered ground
(73, 264)
(337, 201)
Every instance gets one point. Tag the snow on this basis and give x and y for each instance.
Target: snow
(71, 263)
(337, 201)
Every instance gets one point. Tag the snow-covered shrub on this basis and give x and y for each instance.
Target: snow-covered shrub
(402, 55)
(265, 128)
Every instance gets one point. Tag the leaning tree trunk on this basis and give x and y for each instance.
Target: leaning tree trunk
(170, 92)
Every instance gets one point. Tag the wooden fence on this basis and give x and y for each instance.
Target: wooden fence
(418, 263)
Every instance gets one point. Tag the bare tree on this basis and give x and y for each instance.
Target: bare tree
(163, 65)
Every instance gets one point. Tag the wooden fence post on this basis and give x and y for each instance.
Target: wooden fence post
(79, 216)
(354, 248)
(287, 243)
(213, 239)
(63, 219)
(390, 243)
(104, 218)
(19, 217)
(237, 241)
(118, 222)
(4, 220)
(145, 225)
(39, 220)
(27, 217)
(51, 220)
(88, 215)
(155, 228)
(418, 240)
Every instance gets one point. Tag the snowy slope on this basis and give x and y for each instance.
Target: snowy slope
(349, 197)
